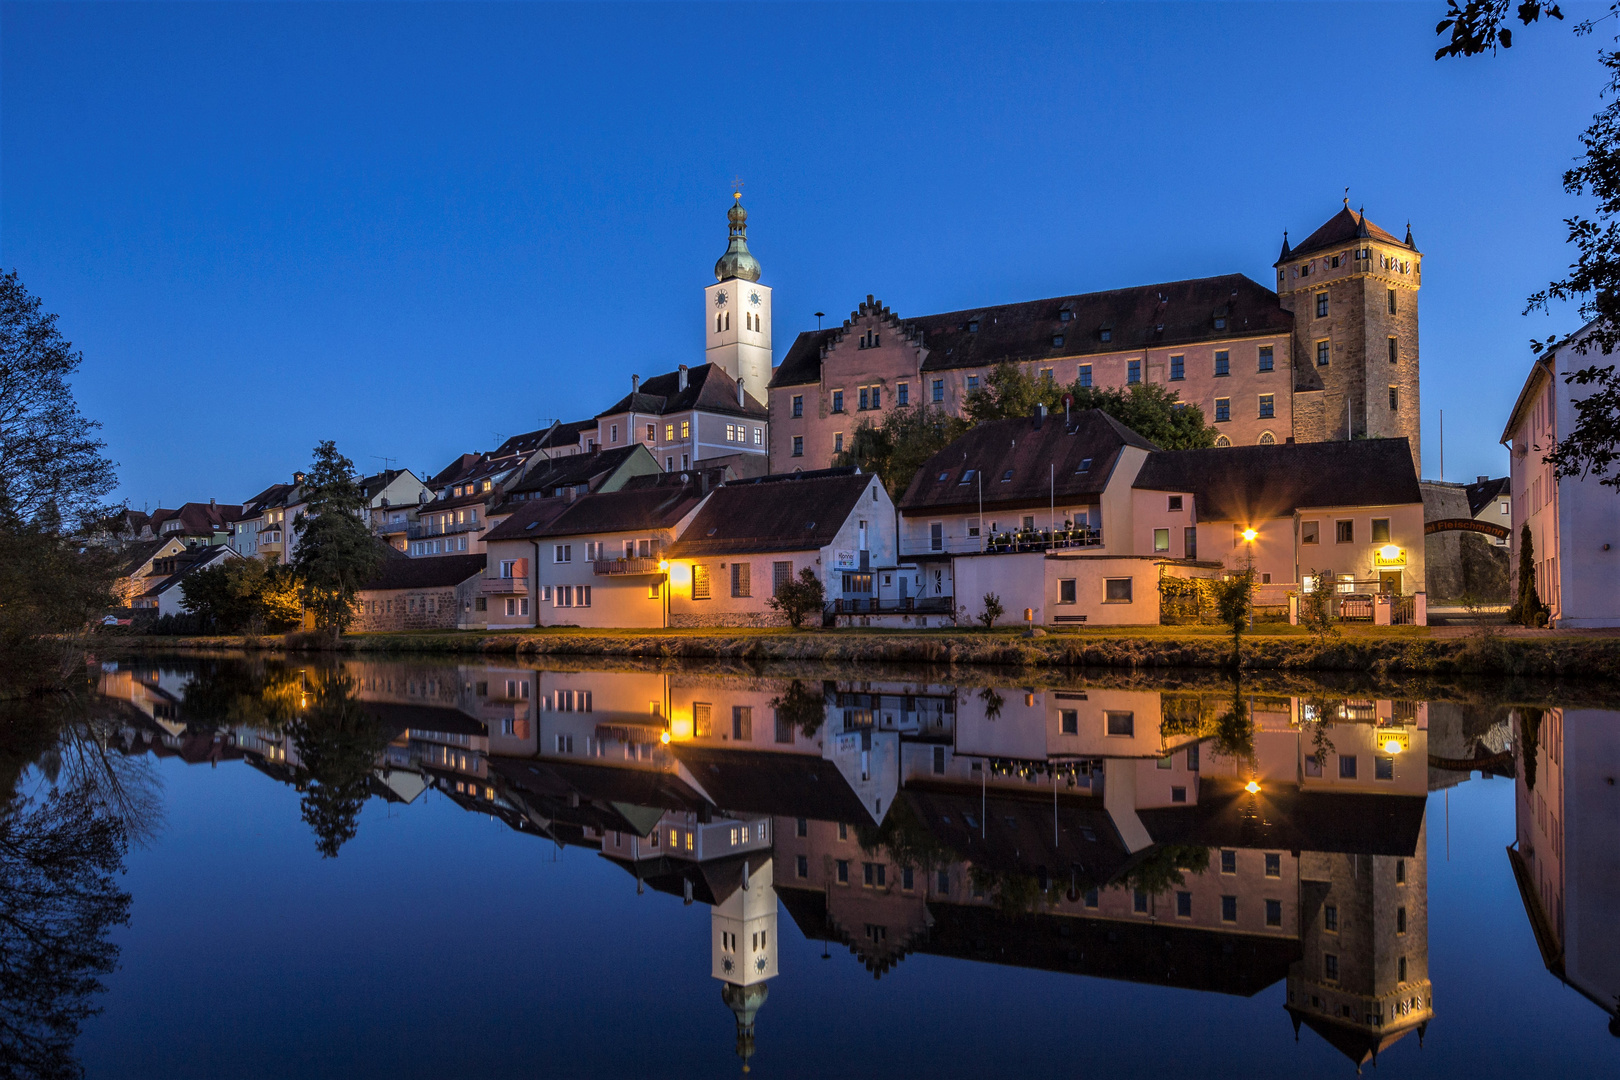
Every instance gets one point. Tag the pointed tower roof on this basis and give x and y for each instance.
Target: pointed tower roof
(1345, 227)
(737, 262)
(1408, 240)
(1286, 252)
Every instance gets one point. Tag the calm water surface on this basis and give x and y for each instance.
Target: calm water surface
(420, 869)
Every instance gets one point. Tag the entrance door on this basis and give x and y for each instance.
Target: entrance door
(1389, 581)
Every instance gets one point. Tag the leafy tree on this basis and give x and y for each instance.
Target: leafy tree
(1163, 868)
(993, 610)
(796, 599)
(1528, 610)
(1529, 742)
(1316, 606)
(1154, 412)
(336, 554)
(338, 746)
(243, 594)
(1008, 391)
(800, 708)
(1476, 26)
(895, 449)
(1234, 601)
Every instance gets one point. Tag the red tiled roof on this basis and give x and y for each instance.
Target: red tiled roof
(793, 512)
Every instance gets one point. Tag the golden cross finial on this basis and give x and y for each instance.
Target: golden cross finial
(736, 187)
(1347, 196)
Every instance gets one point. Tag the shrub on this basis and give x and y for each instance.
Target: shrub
(993, 610)
(796, 599)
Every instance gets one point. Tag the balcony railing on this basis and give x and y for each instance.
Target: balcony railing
(1044, 540)
(419, 530)
(614, 567)
(866, 605)
(504, 586)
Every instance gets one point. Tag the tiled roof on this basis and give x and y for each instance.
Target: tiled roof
(1342, 228)
(1482, 492)
(527, 518)
(1252, 483)
(136, 555)
(1157, 316)
(1022, 464)
(198, 519)
(574, 469)
(606, 512)
(555, 437)
(708, 388)
(272, 496)
(198, 560)
(794, 512)
(1358, 823)
(439, 572)
(768, 782)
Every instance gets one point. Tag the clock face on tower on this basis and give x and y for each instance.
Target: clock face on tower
(759, 964)
(753, 298)
(720, 298)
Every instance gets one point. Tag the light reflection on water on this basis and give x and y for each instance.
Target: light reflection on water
(1147, 872)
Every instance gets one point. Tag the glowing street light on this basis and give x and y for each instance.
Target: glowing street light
(1249, 535)
(664, 738)
(663, 564)
(1252, 787)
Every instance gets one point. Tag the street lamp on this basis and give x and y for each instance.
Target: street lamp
(1252, 787)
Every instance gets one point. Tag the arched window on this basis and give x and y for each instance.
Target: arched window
(728, 320)
(717, 325)
(1267, 439)
(1222, 440)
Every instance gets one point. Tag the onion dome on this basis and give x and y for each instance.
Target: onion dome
(737, 262)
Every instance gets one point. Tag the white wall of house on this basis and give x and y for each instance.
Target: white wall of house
(1108, 590)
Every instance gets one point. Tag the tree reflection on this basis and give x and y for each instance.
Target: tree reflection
(338, 744)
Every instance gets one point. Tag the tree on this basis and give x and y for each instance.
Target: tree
(1316, 606)
(1528, 610)
(1234, 600)
(898, 447)
(801, 709)
(1162, 867)
(993, 610)
(243, 595)
(795, 599)
(338, 746)
(1008, 392)
(1152, 411)
(336, 552)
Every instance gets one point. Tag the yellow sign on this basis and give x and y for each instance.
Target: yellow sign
(1389, 557)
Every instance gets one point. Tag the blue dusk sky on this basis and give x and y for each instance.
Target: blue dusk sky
(418, 229)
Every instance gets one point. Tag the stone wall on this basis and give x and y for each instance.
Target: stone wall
(1442, 552)
(698, 621)
(407, 609)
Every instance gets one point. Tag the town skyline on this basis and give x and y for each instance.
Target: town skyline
(466, 261)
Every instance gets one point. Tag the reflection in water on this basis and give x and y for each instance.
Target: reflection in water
(1220, 838)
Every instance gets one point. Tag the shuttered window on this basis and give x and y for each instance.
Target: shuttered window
(700, 582)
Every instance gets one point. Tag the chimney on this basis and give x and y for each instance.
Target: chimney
(212, 502)
(1482, 479)
(740, 398)
(680, 377)
(635, 384)
(1040, 415)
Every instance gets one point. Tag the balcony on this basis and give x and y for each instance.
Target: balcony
(1078, 536)
(504, 586)
(622, 567)
(421, 530)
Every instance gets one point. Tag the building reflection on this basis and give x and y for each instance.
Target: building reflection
(1213, 839)
(1564, 856)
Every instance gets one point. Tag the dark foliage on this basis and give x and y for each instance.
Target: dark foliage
(338, 745)
(796, 599)
(336, 551)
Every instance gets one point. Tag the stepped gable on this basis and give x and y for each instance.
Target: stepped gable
(1253, 483)
(1044, 457)
(1085, 324)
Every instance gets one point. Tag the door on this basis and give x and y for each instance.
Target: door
(1389, 581)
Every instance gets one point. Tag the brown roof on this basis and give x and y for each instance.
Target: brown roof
(708, 388)
(527, 519)
(197, 518)
(1481, 493)
(604, 512)
(434, 572)
(1022, 463)
(1345, 227)
(793, 512)
(555, 437)
(1252, 483)
(1161, 315)
(575, 469)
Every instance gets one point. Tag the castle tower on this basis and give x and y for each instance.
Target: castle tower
(743, 949)
(738, 311)
(1353, 289)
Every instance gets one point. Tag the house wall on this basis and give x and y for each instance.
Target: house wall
(1032, 580)
(631, 600)
(707, 436)
(438, 608)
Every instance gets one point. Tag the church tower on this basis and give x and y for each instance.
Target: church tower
(1353, 289)
(738, 311)
(743, 949)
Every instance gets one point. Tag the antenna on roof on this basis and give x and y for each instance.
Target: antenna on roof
(387, 461)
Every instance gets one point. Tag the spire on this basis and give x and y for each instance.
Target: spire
(1285, 250)
(744, 1001)
(737, 262)
(1408, 240)
(1362, 232)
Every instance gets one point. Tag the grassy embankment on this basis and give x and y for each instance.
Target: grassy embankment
(1380, 650)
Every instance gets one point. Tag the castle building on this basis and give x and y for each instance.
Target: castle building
(1332, 354)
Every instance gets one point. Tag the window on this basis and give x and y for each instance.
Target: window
(742, 723)
(1066, 590)
(1121, 724)
(837, 401)
(1344, 532)
(583, 593)
(798, 406)
(563, 553)
(1223, 364)
(865, 400)
(1266, 358)
(1178, 368)
(1161, 540)
(838, 442)
(1330, 918)
(1400, 871)
(1400, 920)
(1380, 530)
(972, 383)
(1347, 767)
(1092, 898)
(1228, 861)
(1183, 905)
(1383, 768)
(686, 429)
(1167, 762)
(973, 326)
(1228, 909)
(1330, 967)
(1223, 408)
(1310, 532)
(700, 582)
(1192, 758)
(1083, 467)
(481, 603)
(1321, 305)
(1394, 399)
(669, 432)
(1085, 374)
(1268, 406)
(1069, 721)
(1392, 301)
(942, 882)
(843, 871)
(1133, 372)
(1322, 353)
(798, 446)
(902, 393)
(1139, 901)
(1273, 864)
(1394, 350)
(1400, 970)
(1046, 373)
(741, 574)
(939, 761)
(939, 390)
(966, 478)
(1273, 912)
(936, 536)
(1117, 590)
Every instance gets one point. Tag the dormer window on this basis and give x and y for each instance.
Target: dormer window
(1065, 315)
(967, 477)
(973, 326)
(1083, 467)
(1057, 341)
(1106, 332)
(1006, 476)
(488, 484)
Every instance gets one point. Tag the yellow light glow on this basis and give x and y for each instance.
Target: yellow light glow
(664, 738)
(680, 727)
(1390, 552)
(1392, 746)
(663, 564)
(1249, 535)
(1252, 787)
